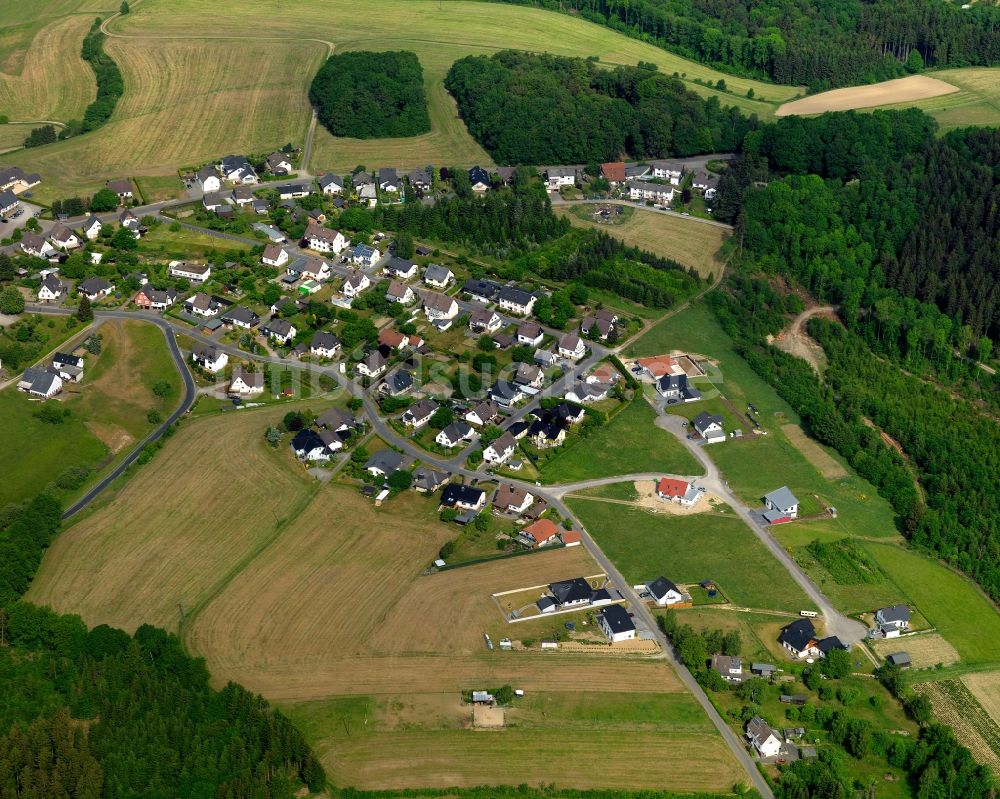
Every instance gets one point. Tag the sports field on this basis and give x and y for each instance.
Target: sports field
(690, 549)
(201, 81)
(689, 241)
(310, 595)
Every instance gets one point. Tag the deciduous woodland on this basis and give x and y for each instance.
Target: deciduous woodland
(542, 109)
(371, 95)
(822, 46)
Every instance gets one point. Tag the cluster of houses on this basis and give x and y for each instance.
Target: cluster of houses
(332, 432)
(656, 182)
(61, 239)
(45, 382)
(767, 743)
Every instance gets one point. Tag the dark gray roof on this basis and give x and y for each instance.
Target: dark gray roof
(429, 479)
(899, 658)
(895, 613)
(457, 431)
(330, 179)
(324, 340)
(515, 296)
(574, 590)
(504, 390)
(486, 289)
(798, 634)
(334, 418)
(61, 358)
(399, 265)
(385, 460)
(467, 495)
(280, 327)
(436, 273)
(617, 619)
(660, 586)
(241, 314)
(399, 381)
(93, 285)
(307, 440)
(479, 175)
(704, 419)
(830, 643)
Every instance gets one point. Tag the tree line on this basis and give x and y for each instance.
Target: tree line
(842, 43)
(369, 95)
(526, 108)
(154, 726)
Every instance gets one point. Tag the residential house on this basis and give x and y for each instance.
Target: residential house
(40, 383)
(479, 179)
(676, 388)
(260, 207)
(154, 299)
(529, 376)
(68, 367)
(419, 414)
(439, 306)
(709, 427)
(210, 358)
(400, 268)
(485, 321)
(781, 504)
(331, 184)
(679, 492)
(355, 282)
(505, 393)
(368, 195)
(603, 320)
(64, 238)
(637, 172)
(237, 169)
(399, 292)
(201, 304)
(213, 201)
(323, 239)
(565, 413)
(547, 432)
(364, 255)
(892, 621)
(572, 347)
(208, 179)
(308, 446)
(310, 269)
(530, 334)
(509, 499)
(438, 276)
(244, 383)
(196, 273)
(657, 192)
(397, 382)
(395, 340)
(613, 172)
(123, 188)
(324, 345)
(583, 391)
(280, 330)
(94, 288)
(33, 244)
(384, 462)
(484, 291)
(668, 170)
(420, 179)
(52, 289)
(516, 301)
(336, 420)
(14, 178)
(463, 497)
(92, 228)
(454, 434)
(361, 179)
(389, 181)
(570, 593)
(728, 667)
(706, 183)
(482, 414)
(130, 221)
(762, 738)
(427, 481)
(500, 450)
(238, 316)
(558, 176)
(61, 359)
(616, 624)
(279, 164)
(664, 593)
(274, 255)
(799, 638)
(540, 533)
(294, 190)
(374, 365)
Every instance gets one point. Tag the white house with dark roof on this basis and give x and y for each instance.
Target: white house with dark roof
(64, 238)
(355, 282)
(657, 192)
(463, 497)
(372, 366)
(196, 273)
(237, 169)
(210, 358)
(500, 450)
(616, 624)
(419, 414)
(94, 288)
(440, 277)
(571, 346)
(330, 184)
(92, 228)
(667, 170)
(516, 301)
(324, 344)
(40, 383)
(311, 269)
(208, 179)
(782, 505)
(530, 334)
(52, 289)
(892, 621)
(454, 434)
(244, 383)
(33, 244)
(484, 320)
(479, 178)
(762, 738)
(664, 593)
(280, 330)
(238, 316)
(709, 427)
(279, 163)
(558, 176)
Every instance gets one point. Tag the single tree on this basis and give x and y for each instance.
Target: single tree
(11, 301)
(85, 313)
(104, 200)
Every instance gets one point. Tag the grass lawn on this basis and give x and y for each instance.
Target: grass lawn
(947, 600)
(758, 631)
(163, 242)
(687, 241)
(13, 135)
(107, 411)
(156, 189)
(689, 549)
(628, 444)
(623, 491)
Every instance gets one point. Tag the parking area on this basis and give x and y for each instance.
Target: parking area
(19, 218)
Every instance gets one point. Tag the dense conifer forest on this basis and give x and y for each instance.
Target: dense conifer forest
(818, 45)
(541, 109)
(369, 95)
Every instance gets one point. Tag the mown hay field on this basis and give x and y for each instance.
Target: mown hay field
(13, 134)
(690, 242)
(890, 92)
(925, 650)
(51, 81)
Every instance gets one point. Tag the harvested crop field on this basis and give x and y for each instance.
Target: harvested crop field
(956, 706)
(890, 92)
(825, 463)
(926, 650)
(170, 537)
(985, 686)
(689, 241)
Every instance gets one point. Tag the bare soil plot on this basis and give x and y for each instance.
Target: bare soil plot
(926, 650)
(956, 706)
(688, 241)
(890, 92)
(485, 717)
(825, 463)
(174, 532)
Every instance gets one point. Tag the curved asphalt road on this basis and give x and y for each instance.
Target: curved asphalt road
(190, 393)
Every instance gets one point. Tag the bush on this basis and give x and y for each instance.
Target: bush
(73, 477)
(52, 413)
(161, 388)
(400, 480)
(154, 416)
(11, 301)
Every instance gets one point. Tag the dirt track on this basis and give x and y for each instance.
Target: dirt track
(901, 90)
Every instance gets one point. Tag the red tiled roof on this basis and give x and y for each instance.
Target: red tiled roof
(658, 365)
(614, 171)
(671, 488)
(571, 537)
(542, 530)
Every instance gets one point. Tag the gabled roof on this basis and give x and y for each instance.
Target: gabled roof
(206, 172)
(93, 285)
(759, 731)
(399, 381)
(542, 530)
(397, 289)
(575, 590)
(61, 233)
(280, 327)
(704, 420)
(798, 635)
(457, 430)
(421, 410)
(479, 175)
(661, 586)
(437, 273)
(385, 460)
(438, 302)
(569, 342)
(515, 296)
(617, 619)
(429, 479)
(468, 495)
(828, 644)
(670, 487)
(504, 390)
(895, 613)
(252, 379)
(330, 179)
(781, 497)
(613, 171)
(306, 440)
